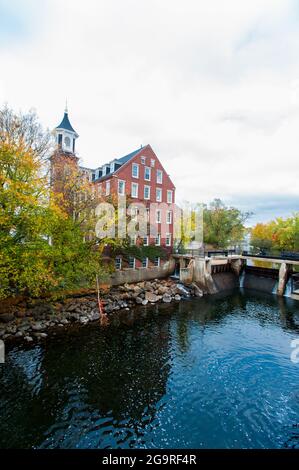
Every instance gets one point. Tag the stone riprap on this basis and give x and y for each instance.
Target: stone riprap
(33, 320)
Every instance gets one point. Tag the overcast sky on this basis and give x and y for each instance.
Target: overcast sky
(212, 85)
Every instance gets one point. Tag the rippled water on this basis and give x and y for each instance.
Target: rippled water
(208, 373)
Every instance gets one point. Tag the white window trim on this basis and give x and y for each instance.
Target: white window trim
(146, 260)
(158, 179)
(124, 192)
(167, 214)
(137, 166)
(149, 192)
(160, 192)
(120, 262)
(150, 173)
(159, 261)
(158, 219)
(145, 244)
(169, 191)
(137, 187)
(134, 263)
(153, 161)
(158, 237)
(143, 159)
(168, 235)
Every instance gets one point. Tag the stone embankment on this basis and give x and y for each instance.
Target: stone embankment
(33, 320)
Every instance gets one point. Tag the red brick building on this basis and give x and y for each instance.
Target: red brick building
(139, 175)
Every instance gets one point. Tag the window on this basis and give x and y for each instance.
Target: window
(157, 261)
(132, 262)
(147, 192)
(169, 217)
(159, 176)
(147, 214)
(153, 162)
(169, 197)
(143, 160)
(118, 263)
(145, 241)
(67, 141)
(121, 187)
(59, 139)
(144, 262)
(158, 194)
(158, 240)
(133, 240)
(168, 239)
(147, 173)
(158, 216)
(135, 170)
(134, 190)
(112, 167)
(107, 188)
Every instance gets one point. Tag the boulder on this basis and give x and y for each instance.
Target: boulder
(138, 300)
(166, 298)
(163, 290)
(6, 317)
(29, 339)
(177, 297)
(151, 297)
(144, 302)
(37, 326)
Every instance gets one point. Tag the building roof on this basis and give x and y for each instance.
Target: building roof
(119, 161)
(65, 124)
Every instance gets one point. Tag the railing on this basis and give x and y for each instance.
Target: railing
(283, 255)
(211, 253)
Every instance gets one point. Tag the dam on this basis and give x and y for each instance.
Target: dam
(219, 271)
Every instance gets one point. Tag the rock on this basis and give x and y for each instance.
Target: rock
(144, 302)
(29, 339)
(94, 315)
(166, 298)
(177, 297)
(137, 290)
(84, 320)
(151, 297)
(19, 334)
(139, 300)
(6, 317)
(181, 290)
(64, 321)
(37, 326)
(40, 335)
(72, 307)
(148, 287)
(39, 312)
(162, 290)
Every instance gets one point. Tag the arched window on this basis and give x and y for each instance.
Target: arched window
(67, 141)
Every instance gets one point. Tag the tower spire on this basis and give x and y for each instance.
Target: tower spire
(66, 108)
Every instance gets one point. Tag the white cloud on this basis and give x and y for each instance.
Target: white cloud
(211, 85)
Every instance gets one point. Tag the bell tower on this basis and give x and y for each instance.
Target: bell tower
(65, 135)
(64, 160)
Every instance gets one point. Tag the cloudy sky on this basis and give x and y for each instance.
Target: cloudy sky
(212, 85)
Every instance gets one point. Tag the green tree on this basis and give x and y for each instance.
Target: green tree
(223, 226)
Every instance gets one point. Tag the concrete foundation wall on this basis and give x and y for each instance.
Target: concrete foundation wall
(142, 274)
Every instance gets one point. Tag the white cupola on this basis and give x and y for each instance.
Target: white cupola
(65, 135)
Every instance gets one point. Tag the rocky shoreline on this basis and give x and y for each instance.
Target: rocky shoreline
(34, 320)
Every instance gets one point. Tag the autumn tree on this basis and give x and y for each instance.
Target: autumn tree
(281, 234)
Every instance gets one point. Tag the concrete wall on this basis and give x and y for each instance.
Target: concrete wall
(142, 274)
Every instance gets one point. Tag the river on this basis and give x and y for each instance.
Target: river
(206, 373)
